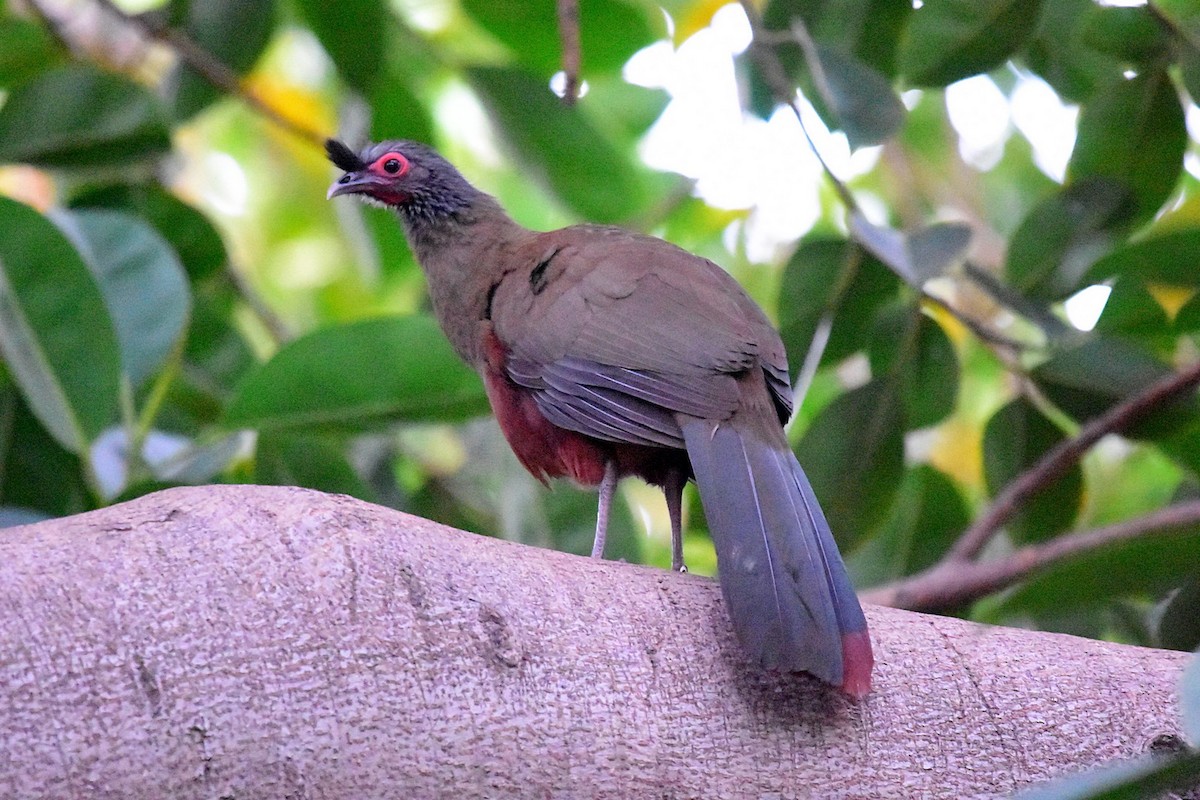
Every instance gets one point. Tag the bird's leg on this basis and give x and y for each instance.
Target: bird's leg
(673, 489)
(608, 485)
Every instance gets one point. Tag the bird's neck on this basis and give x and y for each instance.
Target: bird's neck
(463, 253)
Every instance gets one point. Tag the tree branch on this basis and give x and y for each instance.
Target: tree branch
(568, 33)
(781, 86)
(214, 71)
(950, 585)
(273, 642)
(1063, 456)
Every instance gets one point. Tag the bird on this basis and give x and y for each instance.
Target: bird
(607, 353)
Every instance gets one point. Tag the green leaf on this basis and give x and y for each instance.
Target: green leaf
(1146, 566)
(76, 116)
(948, 40)
(1179, 624)
(1087, 379)
(1131, 780)
(610, 31)
(313, 462)
(26, 49)
(916, 257)
(144, 286)
(1061, 55)
(863, 101)
(853, 453)
(928, 514)
(1133, 132)
(557, 145)
(1132, 34)
(1064, 235)
(397, 112)
(359, 376)
(37, 472)
(234, 32)
(870, 29)
(834, 277)
(1165, 258)
(350, 32)
(1132, 313)
(1183, 16)
(1015, 438)
(912, 349)
(190, 233)
(55, 333)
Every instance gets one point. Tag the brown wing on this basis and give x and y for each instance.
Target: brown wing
(617, 333)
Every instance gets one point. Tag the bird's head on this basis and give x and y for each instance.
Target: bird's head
(407, 176)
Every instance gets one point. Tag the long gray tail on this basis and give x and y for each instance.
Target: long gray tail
(787, 590)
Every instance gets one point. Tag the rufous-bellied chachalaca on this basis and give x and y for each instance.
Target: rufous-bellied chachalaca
(607, 353)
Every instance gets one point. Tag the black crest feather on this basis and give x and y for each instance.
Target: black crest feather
(342, 156)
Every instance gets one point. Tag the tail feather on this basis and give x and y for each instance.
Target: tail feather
(784, 582)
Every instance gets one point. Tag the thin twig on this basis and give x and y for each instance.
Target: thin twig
(279, 331)
(568, 33)
(214, 71)
(1062, 457)
(976, 327)
(951, 585)
(777, 79)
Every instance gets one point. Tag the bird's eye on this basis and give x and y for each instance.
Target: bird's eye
(392, 163)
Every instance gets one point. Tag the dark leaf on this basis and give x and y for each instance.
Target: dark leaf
(834, 277)
(190, 234)
(1133, 132)
(38, 473)
(351, 31)
(359, 376)
(1132, 35)
(910, 348)
(1179, 625)
(26, 49)
(1064, 235)
(916, 257)
(397, 112)
(55, 332)
(76, 116)
(853, 453)
(1086, 379)
(1060, 54)
(1015, 438)
(1133, 568)
(234, 32)
(144, 285)
(926, 517)
(1172, 258)
(610, 31)
(933, 250)
(862, 100)
(1150, 777)
(1132, 313)
(870, 29)
(558, 146)
(948, 40)
(313, 462)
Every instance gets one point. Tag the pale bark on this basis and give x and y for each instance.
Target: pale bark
(256, 642)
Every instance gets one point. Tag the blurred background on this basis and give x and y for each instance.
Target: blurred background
(1002, 245)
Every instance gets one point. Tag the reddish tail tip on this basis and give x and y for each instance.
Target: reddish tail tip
(857, 662)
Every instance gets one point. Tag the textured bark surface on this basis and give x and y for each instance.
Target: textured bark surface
(258, 642)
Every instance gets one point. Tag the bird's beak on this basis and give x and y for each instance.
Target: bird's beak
(360, 182)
